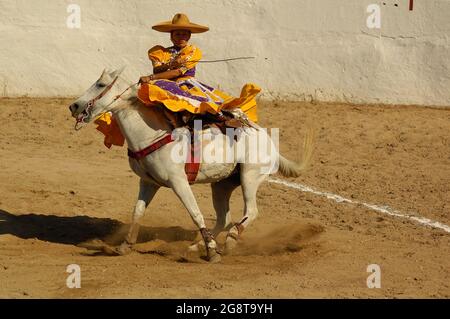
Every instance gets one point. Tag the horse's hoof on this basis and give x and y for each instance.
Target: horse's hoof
(197, 247)
(193, 248)
(214, 259)
(95, 244)
(124, 249)
(230, 244)
(109, 251)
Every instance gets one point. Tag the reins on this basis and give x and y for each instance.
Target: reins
(90, 104)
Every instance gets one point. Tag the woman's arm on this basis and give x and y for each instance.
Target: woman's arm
(161, 68)
(175, 64)
(166, 75)
(165, 72)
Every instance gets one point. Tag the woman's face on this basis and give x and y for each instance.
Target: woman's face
(180, 38)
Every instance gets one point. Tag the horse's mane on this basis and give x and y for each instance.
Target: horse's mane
(158, 110)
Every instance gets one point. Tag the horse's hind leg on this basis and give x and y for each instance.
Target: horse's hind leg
(146, 193)
(251, 178)
(221, 193)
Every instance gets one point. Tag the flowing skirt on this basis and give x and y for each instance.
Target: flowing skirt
(185, 94)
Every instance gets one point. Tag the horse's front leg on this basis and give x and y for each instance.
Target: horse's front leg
(184, 192)
(146, 193)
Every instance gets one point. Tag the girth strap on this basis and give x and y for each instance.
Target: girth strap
(192, 165)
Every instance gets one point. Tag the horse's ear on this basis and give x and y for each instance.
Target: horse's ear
(118, 71)
(104, 73)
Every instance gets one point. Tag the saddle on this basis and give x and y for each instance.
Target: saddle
(234, 118)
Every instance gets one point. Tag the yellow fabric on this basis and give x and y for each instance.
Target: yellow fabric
(246, 102)
(109, 127)
(150, 94)
(190, 55)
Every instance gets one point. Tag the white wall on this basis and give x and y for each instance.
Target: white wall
(304, 49)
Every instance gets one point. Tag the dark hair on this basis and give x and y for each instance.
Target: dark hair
(171, 32)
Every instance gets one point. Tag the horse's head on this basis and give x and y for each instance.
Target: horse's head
(97, 100)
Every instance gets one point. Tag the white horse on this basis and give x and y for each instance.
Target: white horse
(143, 125)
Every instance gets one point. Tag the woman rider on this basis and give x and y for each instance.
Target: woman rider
(173, 80)
(174, 85)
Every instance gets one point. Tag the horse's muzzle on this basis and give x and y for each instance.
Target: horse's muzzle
(74, 108)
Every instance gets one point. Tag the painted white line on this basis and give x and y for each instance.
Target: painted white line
(381, 209)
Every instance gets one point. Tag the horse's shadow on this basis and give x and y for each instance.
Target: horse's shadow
(79, 229)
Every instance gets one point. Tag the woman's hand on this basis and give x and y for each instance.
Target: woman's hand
(166, 75)
(177, 63)
(146, 79)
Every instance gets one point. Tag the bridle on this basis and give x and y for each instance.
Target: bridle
(91, 103)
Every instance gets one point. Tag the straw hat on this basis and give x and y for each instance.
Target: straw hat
(179, 22)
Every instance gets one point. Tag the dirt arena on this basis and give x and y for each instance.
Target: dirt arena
(60, 188)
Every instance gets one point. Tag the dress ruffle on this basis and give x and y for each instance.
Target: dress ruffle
(152, 94)
(182, 94)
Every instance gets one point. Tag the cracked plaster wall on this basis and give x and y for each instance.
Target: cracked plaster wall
(303, 49)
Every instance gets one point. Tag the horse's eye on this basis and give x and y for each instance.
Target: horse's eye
(101, 85)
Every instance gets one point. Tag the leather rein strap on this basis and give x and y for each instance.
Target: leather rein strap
(192, 165)
(90, 104)
(106, 90)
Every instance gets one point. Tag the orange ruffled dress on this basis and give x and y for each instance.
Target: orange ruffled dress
(184, 93)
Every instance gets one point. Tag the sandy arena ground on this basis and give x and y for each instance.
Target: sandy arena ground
(60, 188)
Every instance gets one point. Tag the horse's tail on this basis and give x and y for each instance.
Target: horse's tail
(290, 168)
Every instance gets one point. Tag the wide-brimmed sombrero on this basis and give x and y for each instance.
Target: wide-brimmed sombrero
(179, 22)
